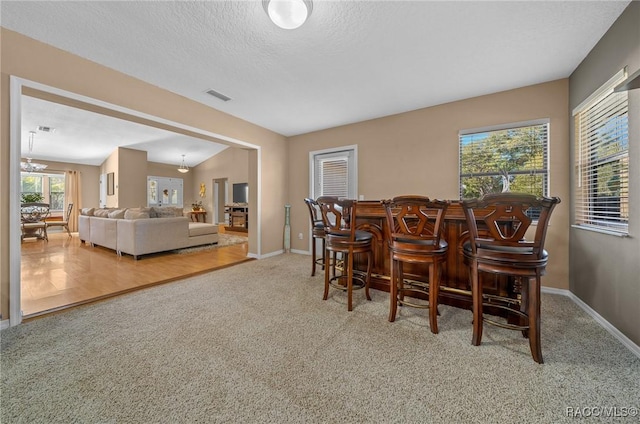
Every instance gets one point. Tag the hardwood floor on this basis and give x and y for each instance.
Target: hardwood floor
(63, 272)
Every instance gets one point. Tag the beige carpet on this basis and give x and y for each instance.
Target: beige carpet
(255, 343)
(224, 239)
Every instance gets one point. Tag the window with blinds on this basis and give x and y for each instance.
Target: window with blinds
(602, 160)
(506, 158)
(334, 173)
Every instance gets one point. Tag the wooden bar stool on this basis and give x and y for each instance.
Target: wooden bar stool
(317, 233)
(502, 249)
(339, 219)
(414, 230)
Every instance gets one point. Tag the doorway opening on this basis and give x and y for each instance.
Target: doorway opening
(19, 88)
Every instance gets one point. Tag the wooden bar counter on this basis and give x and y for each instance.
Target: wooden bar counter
(454, 287)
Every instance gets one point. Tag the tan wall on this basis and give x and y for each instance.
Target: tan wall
(110, 165)
(417, 153)
(605, 268)
(36, 61)
(232, 164)
(131, 181)
(169, 171)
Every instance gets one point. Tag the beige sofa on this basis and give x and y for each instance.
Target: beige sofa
(141, 234)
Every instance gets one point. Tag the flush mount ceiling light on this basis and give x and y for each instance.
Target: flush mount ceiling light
(183, 168)
(288, 14)
(29, 166)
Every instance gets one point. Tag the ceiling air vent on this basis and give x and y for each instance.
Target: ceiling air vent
(220, 96)
(46, 129)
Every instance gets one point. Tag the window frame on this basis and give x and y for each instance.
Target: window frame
(350, 154)
(45, 184)
(585, 216)
(544, 171)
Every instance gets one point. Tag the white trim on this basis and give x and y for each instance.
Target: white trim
(259, 201)
(500, 127)
(301, 252)
(312, 155)
(553, 290)
(268, 255)
(627, 342)
(4, 324)
(600, 230)
(15, 141)
(603, 91)
(15, 123)
(634, 348)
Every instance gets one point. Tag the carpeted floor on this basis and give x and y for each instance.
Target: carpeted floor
(255, 343)
(224, 239)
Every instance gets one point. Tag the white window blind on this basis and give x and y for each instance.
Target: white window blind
(333, 176)
(334, 173)
(511, 157)
(602, 160)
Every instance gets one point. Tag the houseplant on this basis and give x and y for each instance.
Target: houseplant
(31, 198)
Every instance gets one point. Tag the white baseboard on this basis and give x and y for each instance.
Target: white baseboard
(4, 324)
(629, 344)
(552, 290)
(266, 255)
(301, 252)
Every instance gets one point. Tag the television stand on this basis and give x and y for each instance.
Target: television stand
(238, 218)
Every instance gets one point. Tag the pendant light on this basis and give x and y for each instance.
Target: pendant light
(183, 167)
(29, 166)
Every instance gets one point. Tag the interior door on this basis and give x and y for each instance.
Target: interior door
(103, 190)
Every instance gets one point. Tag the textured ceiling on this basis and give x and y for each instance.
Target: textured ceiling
(351, 61)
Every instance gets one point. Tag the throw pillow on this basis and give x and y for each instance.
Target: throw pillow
(102, 213)
(136, 213)
(117, 214)
(87, 211)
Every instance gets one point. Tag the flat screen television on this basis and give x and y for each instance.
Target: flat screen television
(241, 193)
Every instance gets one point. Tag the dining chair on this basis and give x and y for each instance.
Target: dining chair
(64, 223)
(499, 246)
(33, 221)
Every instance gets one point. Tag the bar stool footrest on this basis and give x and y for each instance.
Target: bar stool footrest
(358, 282)
(504, 324)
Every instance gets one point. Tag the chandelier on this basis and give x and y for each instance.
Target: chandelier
(29, 166)
(183, 167)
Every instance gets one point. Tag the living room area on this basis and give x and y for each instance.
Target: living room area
(122, 168)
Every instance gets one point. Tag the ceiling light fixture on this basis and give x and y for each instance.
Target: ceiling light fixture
(288, 14)
(29, 166)
(183, 168)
